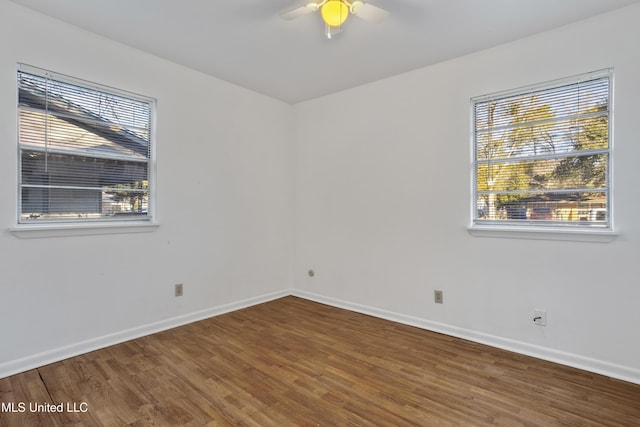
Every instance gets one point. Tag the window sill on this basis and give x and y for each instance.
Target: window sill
(572, 235)
(37, 231)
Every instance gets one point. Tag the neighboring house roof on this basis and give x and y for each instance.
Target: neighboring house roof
(72, 128)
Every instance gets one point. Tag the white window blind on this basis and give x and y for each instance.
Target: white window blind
(85, 151)
(542, 155)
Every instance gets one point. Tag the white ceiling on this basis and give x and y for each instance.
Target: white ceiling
(246, 43)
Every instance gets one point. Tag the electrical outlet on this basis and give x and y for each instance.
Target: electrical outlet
(540, 317)
(437, 296)
(178, 289)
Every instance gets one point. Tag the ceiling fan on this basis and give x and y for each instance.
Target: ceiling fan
(335, 12)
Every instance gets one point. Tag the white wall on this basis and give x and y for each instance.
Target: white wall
(382, 205)
(224, 205)
(378, 186)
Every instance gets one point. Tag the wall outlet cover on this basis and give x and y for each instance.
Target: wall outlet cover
(540, 317)
(438, 297)
(179, 289)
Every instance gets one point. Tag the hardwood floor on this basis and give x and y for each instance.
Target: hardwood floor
(296, 362)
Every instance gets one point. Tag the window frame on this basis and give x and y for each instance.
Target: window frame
(543, 230)
(102, 225)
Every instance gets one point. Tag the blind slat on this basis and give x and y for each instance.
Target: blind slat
(85, 150)
(543, 148)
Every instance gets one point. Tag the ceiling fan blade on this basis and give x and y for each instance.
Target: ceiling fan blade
(299, 11)
(369, 12)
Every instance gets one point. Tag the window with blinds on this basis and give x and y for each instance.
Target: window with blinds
(542, 155)
(85, 151)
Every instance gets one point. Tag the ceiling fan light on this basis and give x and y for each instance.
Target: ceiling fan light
(334, 13)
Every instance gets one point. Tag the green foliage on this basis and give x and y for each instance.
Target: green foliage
(518, 130)
(526, 135)
(125, 193)
(590, 170)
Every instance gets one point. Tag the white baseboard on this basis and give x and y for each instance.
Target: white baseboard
(588, 364)
(37, 360)
(624, 373)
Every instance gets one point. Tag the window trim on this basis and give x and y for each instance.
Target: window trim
(557, 232)
(541, 233)
(36, 231)
(99, 226)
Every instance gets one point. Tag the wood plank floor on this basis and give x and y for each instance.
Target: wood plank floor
(292, 362)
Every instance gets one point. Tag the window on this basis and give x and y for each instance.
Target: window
(85, 151)
(542, 156)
